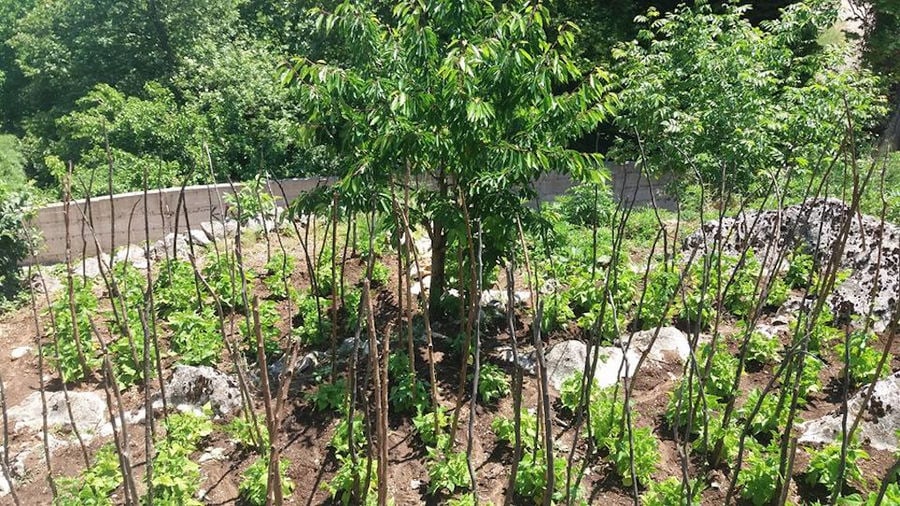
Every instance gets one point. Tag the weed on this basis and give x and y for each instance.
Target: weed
(722, 370)
(254, 481)
(407, 393)
(531, 478)
(662, 283)
(175, 289)
(769, 418)
(224, 278)
(607, 410)
(176, 478)
(762, 348)
(380, 273)
(311, 329)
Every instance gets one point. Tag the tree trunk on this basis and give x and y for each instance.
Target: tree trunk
(438, 269)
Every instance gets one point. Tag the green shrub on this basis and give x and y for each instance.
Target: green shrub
(669, 493)
(196, 336)
(254, 481)
(722, 370)
(531, 478)
(505, 430)
(224, 278)
(86, 305)
(407, 392)
(587, 204)
(175, 288)
(248, 436)
(759, 479)
(268, 326)
(311, 330)
(341, 485)
(176, 478)
(340, 440)
(380, 273)
(14, 211)
(251, 201)
(329, 396)
(447, 470)
(607, 410)
(643, 455)
(95, 484)
(864, 357)
(493, 383)
(424, 423)
(762, 348)
(278, 275)
(661, 286)
(824, 465)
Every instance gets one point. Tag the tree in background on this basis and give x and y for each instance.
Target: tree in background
(720, 102)
(466, 94)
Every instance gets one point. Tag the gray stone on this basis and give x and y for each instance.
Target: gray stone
(568, 357)
(19, 352)
(198, 237)
(90, 267)
(4, 486)
(816, 225)
(527, 359)
(171, 246)
(879, 423)
(218, 229)
(133, 254)
(498, 298)
(196, 386)
(88, 412)
(670, 347)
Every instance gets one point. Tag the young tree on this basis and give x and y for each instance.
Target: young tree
(720, 102)
(478, 100)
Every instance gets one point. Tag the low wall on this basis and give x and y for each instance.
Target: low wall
(119, 219)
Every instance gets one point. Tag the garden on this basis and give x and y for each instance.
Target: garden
(427, 328)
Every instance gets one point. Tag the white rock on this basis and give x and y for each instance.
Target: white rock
(131, 253)
(90, 268)
(878, 427)
(4, 486)
(671, 346)
(218, 229)
(195, 386)
(567, 357)
(198, 237)
(212, 454)
(19, 352)
(88, 412)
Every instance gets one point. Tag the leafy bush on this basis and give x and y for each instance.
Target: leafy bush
(769, 418)
(424, 423)
(645, 450)
(492, 383)
(86, 304)
(254, 481)
(278, 275)
(251, 201)
(340, 440)
(196, 336)
(329, 396)
(176, 478)
(447, 470)
(175, 289)
(224, 278)
(722, 370)
(380, 273)
(557, 312)
(824, 465)
(14, 210)
(571, 393)
(341, 485)
(505, 429)
(248, 436)
(607, 410)
(801, 271)
(864, 357)
(531, 478)
(407, 392)
(762, 348)
(311, 330)
(758, 481)
(669, 493)
(268, 326)
(587, 204)
(95, 484)
(661, 285)
(685, 402)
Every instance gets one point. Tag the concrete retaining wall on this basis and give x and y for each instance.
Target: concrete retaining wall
(119, 220)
